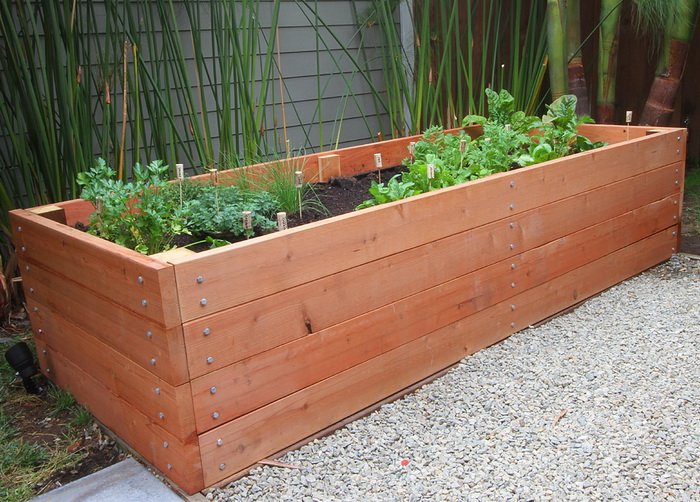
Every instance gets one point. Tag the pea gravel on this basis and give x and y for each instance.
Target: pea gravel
(600, 403)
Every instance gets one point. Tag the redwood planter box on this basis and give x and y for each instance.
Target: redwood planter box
(207, 363)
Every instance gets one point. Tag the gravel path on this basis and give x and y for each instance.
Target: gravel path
(601, 403)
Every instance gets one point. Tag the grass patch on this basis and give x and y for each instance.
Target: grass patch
(39, 436)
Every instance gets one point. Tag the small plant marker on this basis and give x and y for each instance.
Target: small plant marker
(299, 183)
(282, 221)
(378, 164)
(214, 177)
(247, 220)
(412, 148)
(628, 120)
(462, 145)
(430, 171)
(180, 173)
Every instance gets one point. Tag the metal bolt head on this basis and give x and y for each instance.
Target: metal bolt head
(215, 415)
(44, 351)
(153, 361)
(139, 279)
(200, 279)
(222, 467)
(512, 325)
(144, 302)
(149, 334)
(170, 467)
(213, 390)
(48, 370)
(19, 229)
(674, 233)
(203, 302)
(512, 246)
(40, 331)
(513, 266)
(512, 184)
(165, 444)
(511, 225)
(26, 267)
(31, 290)
(206, 331)
(210, 360)
(35, 309)
(219, 442)
(161, 415)
(511, 206)
(23, 248)
(157, 390)
(512, 306)
(512, 284)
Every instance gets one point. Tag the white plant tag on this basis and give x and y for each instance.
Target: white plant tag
(378, 160)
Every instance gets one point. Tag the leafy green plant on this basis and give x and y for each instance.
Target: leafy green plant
(133, 214)
(394, 189)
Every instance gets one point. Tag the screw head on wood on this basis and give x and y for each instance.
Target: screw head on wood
(153, 361)
(161, 415)
(170, 467)
(513, 266)
(144, 302)
(23, 248)
(512, 184)
(206, 331)
(149, 334)
(200, 279)
(512, 284)
(219, 442)
(512, 246)
(157, 390)
(44, 351)
(213, 390)
(512, 306)
(48, 370)
(511, 206)
(31, 290)
(35, 309)
(165, 444)
(512, 325)
(40, 331)
(203, 302)
(210, 360)
(511, 225)
(222, 467)
(26, 267)
(215, 415)
(139, 279)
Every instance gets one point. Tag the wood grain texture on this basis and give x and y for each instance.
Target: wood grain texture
(269, 429)
(77, 211)
(238, 333)
(287, 259)
(177, 460)
(50, 211)
(139, 339)
(168, 405)
(273, 374)
(618, 133)
(107, 268)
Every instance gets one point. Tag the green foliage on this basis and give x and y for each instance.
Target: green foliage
(510, 139)
(133, 214)
(279, 181)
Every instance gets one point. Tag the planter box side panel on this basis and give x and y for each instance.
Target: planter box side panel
(275, 426)
(177, 460)
(276, 373)
(289, 315)
(288, 259)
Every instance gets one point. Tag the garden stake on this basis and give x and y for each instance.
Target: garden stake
(180, 173)
(378, 165)
(247, 220)
(282, 221)
(628, 119)
(412, 149)
(299, 183)
(462, 145)
(431, 174)
(214, 177)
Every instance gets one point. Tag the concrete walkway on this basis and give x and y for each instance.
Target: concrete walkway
(127, 481)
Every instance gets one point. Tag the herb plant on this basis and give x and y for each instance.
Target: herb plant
(133, 214)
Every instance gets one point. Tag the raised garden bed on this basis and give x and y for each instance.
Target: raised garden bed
(207, 363)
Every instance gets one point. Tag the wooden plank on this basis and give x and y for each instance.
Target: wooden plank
(168, 405)
(102, 266)
(328, 167)
(237, 333)
(77, 210)
(171, 254)
(141, 340)
(284, 260)
(618, 133)
(51, 211)
(256, 435)
(177, 460)
(271, 375)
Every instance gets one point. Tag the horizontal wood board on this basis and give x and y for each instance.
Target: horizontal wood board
(169, 406)
(238, 333)
(242, 442)
(177, 460)
(148, 344)
(108, 269)
(271, 375)
(289, 258)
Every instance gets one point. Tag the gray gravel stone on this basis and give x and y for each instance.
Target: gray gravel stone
(600, 403)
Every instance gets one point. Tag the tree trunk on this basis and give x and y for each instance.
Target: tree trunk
(658, 108)
(607, 60)
(576, 76)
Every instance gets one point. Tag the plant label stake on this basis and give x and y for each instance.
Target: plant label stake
(462, 145)
(628, 119)
(180, 173)
(282, 221)
(247, 220)
(378, 165)
(214, 177)
(299, 183)
(412, 148)
(430, 171)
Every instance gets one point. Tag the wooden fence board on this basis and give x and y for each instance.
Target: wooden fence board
(260, 433)
(266, 377)
(168, 405)
(237, 333)
(180, 461)
(289, 258)
(158, 350)
(107, 268)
